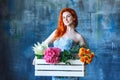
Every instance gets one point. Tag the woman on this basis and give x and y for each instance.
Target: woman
(65, 34)
(68, 21)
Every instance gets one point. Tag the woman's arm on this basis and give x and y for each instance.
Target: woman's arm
(81, 40)
(50, 39)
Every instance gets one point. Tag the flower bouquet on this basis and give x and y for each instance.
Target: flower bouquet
(85, 55)
(54, 55)
(51, 61)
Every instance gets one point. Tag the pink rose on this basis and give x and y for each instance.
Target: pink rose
(52, 54)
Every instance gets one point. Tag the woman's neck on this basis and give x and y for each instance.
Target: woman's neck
(70, 28)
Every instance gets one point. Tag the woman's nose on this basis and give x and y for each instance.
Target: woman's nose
(66, 19)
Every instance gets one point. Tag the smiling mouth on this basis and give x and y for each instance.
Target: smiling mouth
(67, 21)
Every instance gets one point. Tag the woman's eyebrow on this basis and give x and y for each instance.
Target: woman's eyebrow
(67, 15)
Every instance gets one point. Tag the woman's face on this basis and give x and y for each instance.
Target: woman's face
(67, 18)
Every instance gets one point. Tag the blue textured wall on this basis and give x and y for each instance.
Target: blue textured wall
(24, 22)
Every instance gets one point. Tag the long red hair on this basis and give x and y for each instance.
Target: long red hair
(61, 29)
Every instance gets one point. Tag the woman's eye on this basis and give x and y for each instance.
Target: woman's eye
(69, 16)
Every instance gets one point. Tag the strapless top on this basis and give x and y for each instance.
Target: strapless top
(64, 43)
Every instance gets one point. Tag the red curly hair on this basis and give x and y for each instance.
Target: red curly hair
(61, 29)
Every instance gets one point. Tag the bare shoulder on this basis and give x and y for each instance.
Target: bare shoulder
(78, 35)
(80, 39)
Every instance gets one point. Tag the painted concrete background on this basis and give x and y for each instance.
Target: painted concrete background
(24, 22)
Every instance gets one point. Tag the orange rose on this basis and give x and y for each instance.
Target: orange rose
(86, 58)
(82, 59)
(82, 50)
(88, 61)
(81, 54)
(87, 51)
(92, 55)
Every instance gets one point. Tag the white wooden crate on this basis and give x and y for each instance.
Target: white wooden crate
(76, 69)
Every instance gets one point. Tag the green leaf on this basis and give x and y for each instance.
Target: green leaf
(39, 56)
(68, 63)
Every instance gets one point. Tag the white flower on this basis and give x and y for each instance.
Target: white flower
(39, 48)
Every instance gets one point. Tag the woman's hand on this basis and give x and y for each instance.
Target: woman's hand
(34, 60)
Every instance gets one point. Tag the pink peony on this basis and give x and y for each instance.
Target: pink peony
(51, 55)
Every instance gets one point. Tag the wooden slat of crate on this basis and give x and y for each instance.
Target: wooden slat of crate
(59, 73)
(59, 67)
(76, 69)
(42, 61)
